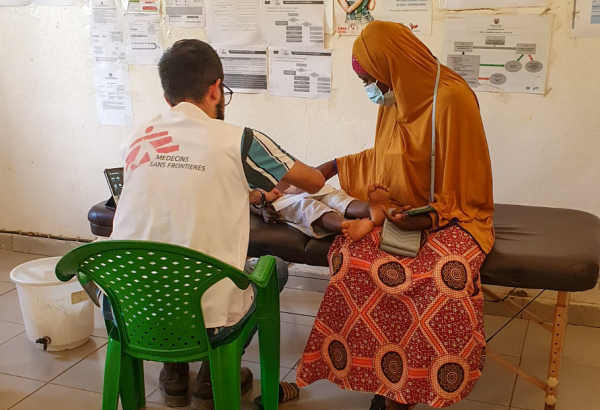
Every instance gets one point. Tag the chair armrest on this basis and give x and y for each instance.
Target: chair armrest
(263, 271)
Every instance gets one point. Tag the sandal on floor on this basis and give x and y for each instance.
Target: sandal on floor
(378, 403)
(287, 392)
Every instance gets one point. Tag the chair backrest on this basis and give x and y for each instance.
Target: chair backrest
(155, 292)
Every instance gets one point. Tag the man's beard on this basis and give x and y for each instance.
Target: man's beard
(221, 109)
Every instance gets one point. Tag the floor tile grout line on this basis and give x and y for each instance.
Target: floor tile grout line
(29, 395)
(8, 340)
(75, 388)
(514, 388)
(76, 363)
(13, 323)
(22, 377)
(298, 314)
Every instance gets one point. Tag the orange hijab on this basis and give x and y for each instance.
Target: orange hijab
(400, 159)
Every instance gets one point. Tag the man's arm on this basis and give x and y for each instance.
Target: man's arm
(266, 165)
(306, 178)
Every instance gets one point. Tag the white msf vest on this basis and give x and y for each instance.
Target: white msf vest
(185, 185)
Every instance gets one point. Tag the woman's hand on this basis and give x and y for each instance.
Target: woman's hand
(409, 223)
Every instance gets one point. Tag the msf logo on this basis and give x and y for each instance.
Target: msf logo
(150, 144)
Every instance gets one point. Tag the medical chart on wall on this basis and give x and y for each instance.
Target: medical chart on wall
(233, 22)
(113, 94)
(352, 15)
(106, 32)
(293, 22)
(300, 72)
(143, 6)
(143, 43)
(185, 13)
(245, 67)
(585, 21)
(499, 53)
(56, 2)
(14, 3)
(490, 4)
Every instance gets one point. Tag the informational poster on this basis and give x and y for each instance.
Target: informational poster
(586, 18)
(14, 3)
(329, 24)
(142, 38)
(113, 94)
(143, 6)
(499, 53)
(185, 13)
(352, 15)
(106, 32)
(490, 4)
(245, 67)
(293, 22)
(233, 22)
(56, 2)
(300, 72)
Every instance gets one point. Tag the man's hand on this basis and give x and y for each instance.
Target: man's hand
(409, 223)
(270, 215)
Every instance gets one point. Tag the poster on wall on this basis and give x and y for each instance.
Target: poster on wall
(143, 43)
(352, 15)
(233, 22)
(499, 53)
(106, 32)
(300, 72)
(143, 6)
(56, 2)
(185, 13)
(245, 67)
(490, 4)
(14, 3)
(113, 94)
(293, 22)
(585, 21)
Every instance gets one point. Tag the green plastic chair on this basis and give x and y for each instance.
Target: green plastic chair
(155, 291)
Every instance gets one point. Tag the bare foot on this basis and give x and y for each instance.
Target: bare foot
(357, 229)
(379, 195)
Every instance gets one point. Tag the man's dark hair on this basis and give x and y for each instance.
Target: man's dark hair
(188, 69)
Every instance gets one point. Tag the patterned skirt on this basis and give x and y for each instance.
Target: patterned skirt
(410, 329)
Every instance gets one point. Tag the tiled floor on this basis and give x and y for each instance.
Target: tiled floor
(31, 379)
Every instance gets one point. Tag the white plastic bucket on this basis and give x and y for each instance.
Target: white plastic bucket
(57, 315)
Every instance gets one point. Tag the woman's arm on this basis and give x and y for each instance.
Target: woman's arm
(345, 6)
(328, 169)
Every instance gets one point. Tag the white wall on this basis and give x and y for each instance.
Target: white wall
(52, 151)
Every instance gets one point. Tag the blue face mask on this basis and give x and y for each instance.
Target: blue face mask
(378, 97)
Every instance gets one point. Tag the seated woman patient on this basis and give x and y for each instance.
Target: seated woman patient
(333, 213)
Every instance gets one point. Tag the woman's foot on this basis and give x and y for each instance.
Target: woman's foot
(379, 195)
(357, 229)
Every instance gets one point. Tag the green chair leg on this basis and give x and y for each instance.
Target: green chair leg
(129, 389)
(138, 369)
(268, 339)
(225, 365)
(112, 375)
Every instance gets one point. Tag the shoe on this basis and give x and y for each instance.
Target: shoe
(202, 393)
(174, 381)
